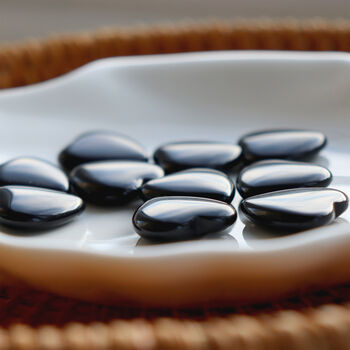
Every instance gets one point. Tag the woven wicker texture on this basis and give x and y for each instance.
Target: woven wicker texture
(34, 320)
(39, 60)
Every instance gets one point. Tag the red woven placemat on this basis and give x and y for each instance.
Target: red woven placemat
(35, 308)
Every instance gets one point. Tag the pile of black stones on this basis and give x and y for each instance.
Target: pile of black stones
(187, 187)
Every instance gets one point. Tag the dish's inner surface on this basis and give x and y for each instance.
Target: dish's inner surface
(45, 120)
(110, 229)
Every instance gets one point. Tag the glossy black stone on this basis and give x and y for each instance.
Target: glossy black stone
(197, 154)
(204, 183)
(295, 209)
(101, 145)
(273, 175)
(37, 208)
(112, 182)
(282, 144)
(179, 218)
(35, 172)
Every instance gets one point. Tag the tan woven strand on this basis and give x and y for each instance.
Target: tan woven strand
(325, 327)
(39, 60)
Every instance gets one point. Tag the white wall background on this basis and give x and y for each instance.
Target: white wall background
(21, 19)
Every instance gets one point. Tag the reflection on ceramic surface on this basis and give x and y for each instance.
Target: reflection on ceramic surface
(112, 182)
(295, 209)
(36, 208)
(282, 144)
(274, 175)
(142, 242)
(256, 235)
(101, 145)
(29, 171)
(177, 218)
(193, 183)
(183, 155)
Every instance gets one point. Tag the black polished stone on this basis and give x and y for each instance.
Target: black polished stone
(197, 154)
(101, 145)
(35, 172)
(273, 175)
(204, 183)
(282, 144)
(112, 182)
(179, 218)
(295, 209)
(37, 208)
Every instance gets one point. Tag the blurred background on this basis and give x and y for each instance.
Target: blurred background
(23, 19)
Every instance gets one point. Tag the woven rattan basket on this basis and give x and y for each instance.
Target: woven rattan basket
(35, 320)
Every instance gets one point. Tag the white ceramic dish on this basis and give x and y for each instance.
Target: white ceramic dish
(218, 96)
